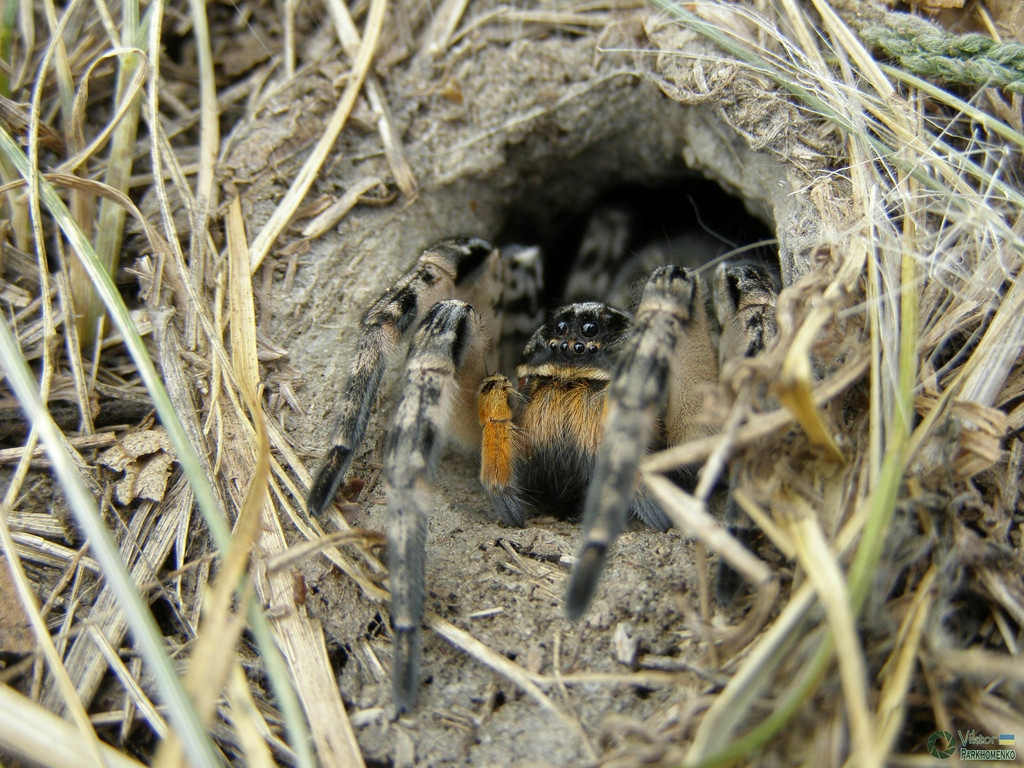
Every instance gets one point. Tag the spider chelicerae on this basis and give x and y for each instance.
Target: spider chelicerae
(596, 388)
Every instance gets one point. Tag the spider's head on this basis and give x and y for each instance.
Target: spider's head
(577, 341)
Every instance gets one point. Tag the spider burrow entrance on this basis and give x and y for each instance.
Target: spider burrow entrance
(603, 245)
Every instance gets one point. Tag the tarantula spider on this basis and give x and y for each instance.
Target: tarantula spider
(596, 389)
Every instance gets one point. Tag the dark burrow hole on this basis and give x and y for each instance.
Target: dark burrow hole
(690, 222)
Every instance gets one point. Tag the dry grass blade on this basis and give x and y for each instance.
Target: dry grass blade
(389, 135)
(73, 347)
(247, 717)
(302, 644)
(446, 20)
(129, 98)
(984, 374)
(897, 674)
(570, 20)
(146, 632)
(846, 40)
(690, 515)
(43, 639)
(980, 665)
(826, 575)
(213, 653)
(110, 229)
(715, 739)
(131, 684)
(147, 542)
(298, 552)
(798, 334)
(242, 318)
(209, 129)
(299, 637)
(311, 168)
(35, 734)
(523, 679)
(765, 523)
(942, 270)
(795, 386)
(757, 428)
(329, 217)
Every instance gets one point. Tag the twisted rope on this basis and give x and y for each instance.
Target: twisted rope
(971, 59)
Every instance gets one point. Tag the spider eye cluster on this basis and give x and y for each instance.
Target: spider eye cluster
(569, 336)
(585, 333)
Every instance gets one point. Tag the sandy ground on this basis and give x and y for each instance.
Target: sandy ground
(501, 586)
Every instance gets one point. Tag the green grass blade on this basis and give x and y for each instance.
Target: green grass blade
(184, 450)
(195, 739)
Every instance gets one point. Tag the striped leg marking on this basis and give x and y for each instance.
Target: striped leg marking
(449, 333)
(441, 271)
(745, 298)
(638, 396)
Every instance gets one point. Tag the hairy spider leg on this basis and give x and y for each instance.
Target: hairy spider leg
(745, 298)
(462, 267)
(656, 376)
(522, 301)
(449, 340)
(501, 443)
